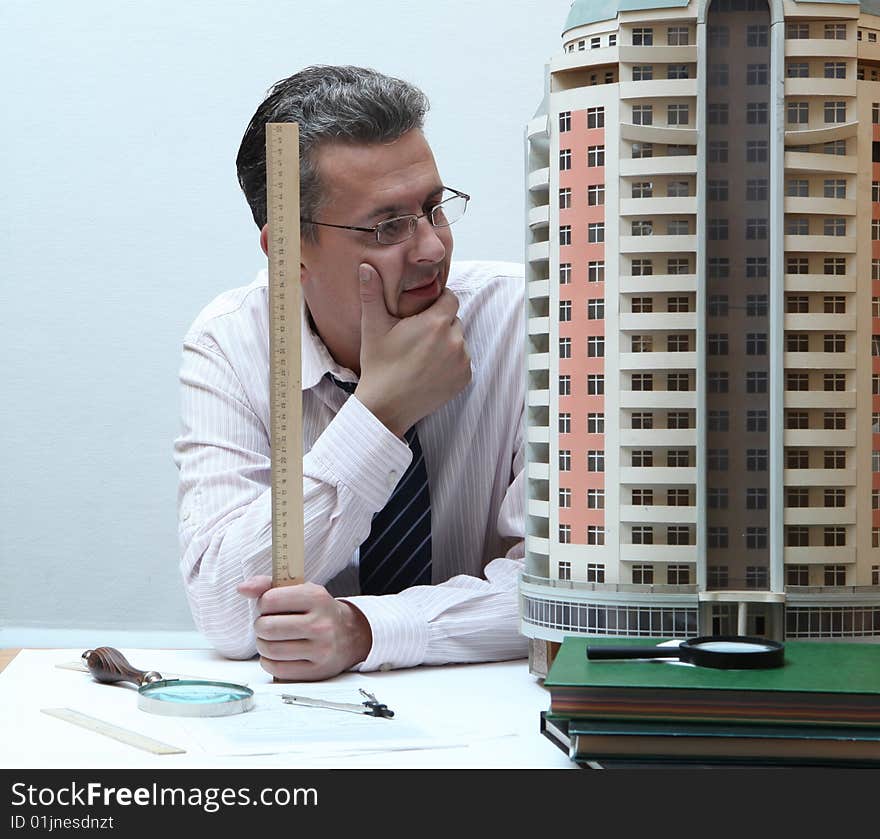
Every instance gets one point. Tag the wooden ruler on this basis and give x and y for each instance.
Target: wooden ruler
(123, 735)
(285, 350)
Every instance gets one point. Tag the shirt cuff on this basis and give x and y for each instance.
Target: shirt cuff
(360, 452)
(400, 633)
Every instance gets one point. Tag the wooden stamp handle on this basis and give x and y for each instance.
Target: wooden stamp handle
(108, 665)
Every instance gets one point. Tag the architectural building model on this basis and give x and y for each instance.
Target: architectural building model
(703, 266)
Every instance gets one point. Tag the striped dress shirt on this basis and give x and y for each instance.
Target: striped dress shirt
(474, 452)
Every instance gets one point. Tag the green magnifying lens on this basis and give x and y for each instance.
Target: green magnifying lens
(169, 697)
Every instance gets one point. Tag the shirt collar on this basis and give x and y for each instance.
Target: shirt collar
(316, 358)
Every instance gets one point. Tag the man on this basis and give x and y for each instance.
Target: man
(413, 396)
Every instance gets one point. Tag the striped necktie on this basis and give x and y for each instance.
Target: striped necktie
(397, 553)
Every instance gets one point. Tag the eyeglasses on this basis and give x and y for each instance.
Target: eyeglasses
(448, 210)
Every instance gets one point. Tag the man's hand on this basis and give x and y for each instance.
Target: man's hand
(409, 366)
(303, 633)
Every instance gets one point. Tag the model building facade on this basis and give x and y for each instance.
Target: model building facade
(703, 257)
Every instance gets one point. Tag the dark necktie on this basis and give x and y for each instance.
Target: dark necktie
(397, 553)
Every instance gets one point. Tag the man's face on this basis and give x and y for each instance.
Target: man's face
(363, 185)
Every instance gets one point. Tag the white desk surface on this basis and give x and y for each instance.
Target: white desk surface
(503, 696)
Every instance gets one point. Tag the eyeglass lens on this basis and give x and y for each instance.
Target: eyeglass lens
(447, 212)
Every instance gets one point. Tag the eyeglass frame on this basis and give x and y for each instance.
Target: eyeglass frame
(375, 230)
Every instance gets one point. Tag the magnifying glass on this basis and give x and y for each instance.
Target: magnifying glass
(170, 697)
(723, 652)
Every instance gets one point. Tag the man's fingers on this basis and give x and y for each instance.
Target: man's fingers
(255, 587)
(375, 317)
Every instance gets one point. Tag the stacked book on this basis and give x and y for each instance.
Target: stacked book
(821, 708)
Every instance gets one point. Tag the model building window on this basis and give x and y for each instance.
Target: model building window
(835, 575)
(756, 381)
(875, 229)
(756, 460)
(642, 343)
(797, 575)
(717, 537)
(756, 538)
(678, 419)
(794, 31)
(717, 460)
(565, 347)
(678, 575)
(595, 384)
(678, 497)
(834, 304)
(798, 188)
(642, 535)
(677, 36)
(565, 385)
(872, 37)
(565, 121)
(596, 499)
(718, 577)
(756, 228)
(756, 74)
(595, 117)
(642, 227)
(875, 307)
(834, 382)
(718, 267)
(719, 421)
(797, 265)
(643, 37)
(756, 113)
(797, 69)
(596, 271)
(596, 571)
(835, 31)
(564, 310)
(835, 497)
(678, 343)
(596, 423)
(756, 343)
(717, 190)
(596, 232)
(643, 381)
(797, 458)
(565, 234)
(565, 567)
(836, 188)
(797, 304)
(642, 305)
(797, 342)
(756, 304)
(875, 113)
(565, 420)
(835, 111)
(718, 114)
(565, 200)
(835, 458)
(835, 70)
(642, 189)
(875, 537)
(643, 115)
(756, 35)
(642, 457)
(717, 151)
(719, 75)
(756, 576)
(875, 575)
(595, 155)
(756, 151)
(595, 346)
(595, 43)
(678, 381)
(643, 72)
(643, 574)
(678, 535)
(596, 195)
(677, 304)
(642, 419)
(835, 343)
(612, 40)
(564, 534)
(836, 421)
(875, 384)
(595, 460)
(564, 159)
(717, 343)
(718, 229)
(595, 535)
(564, 497)
(837, 147)
(797, 226)
(677, 71)
(677, 114)
(797, 113)
(642, 497)
(642, 150)
(642, 267)
(719, 381)
(564, 460)
(797, 381)
(677, 227)
(756, 420)
(717, 498)
(596, 308)
(564, 273)
(756, 498)
(797, 496)
(678, 458)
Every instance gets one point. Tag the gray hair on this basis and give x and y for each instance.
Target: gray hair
(349, 104)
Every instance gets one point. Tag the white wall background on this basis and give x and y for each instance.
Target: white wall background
(120, 217)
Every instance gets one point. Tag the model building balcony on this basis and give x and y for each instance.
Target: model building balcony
(671, 475)
(653, 283)
(657, 243)
(539, 179)
(820, 515)
(820, 399)
(659, 54)
(646, 399)
(819, 477)
(672, 164)
(679, 206)
(657, 514)
(816, 47)
(820, 322)
(820, 556)
(817, 162)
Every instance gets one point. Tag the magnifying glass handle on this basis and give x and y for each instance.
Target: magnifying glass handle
(108, 665)
(595, 653)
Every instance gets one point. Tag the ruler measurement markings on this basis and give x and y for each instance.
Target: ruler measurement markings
(115, 732)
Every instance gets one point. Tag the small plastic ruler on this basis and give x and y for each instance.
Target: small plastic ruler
(123, 735)
(285, 364)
